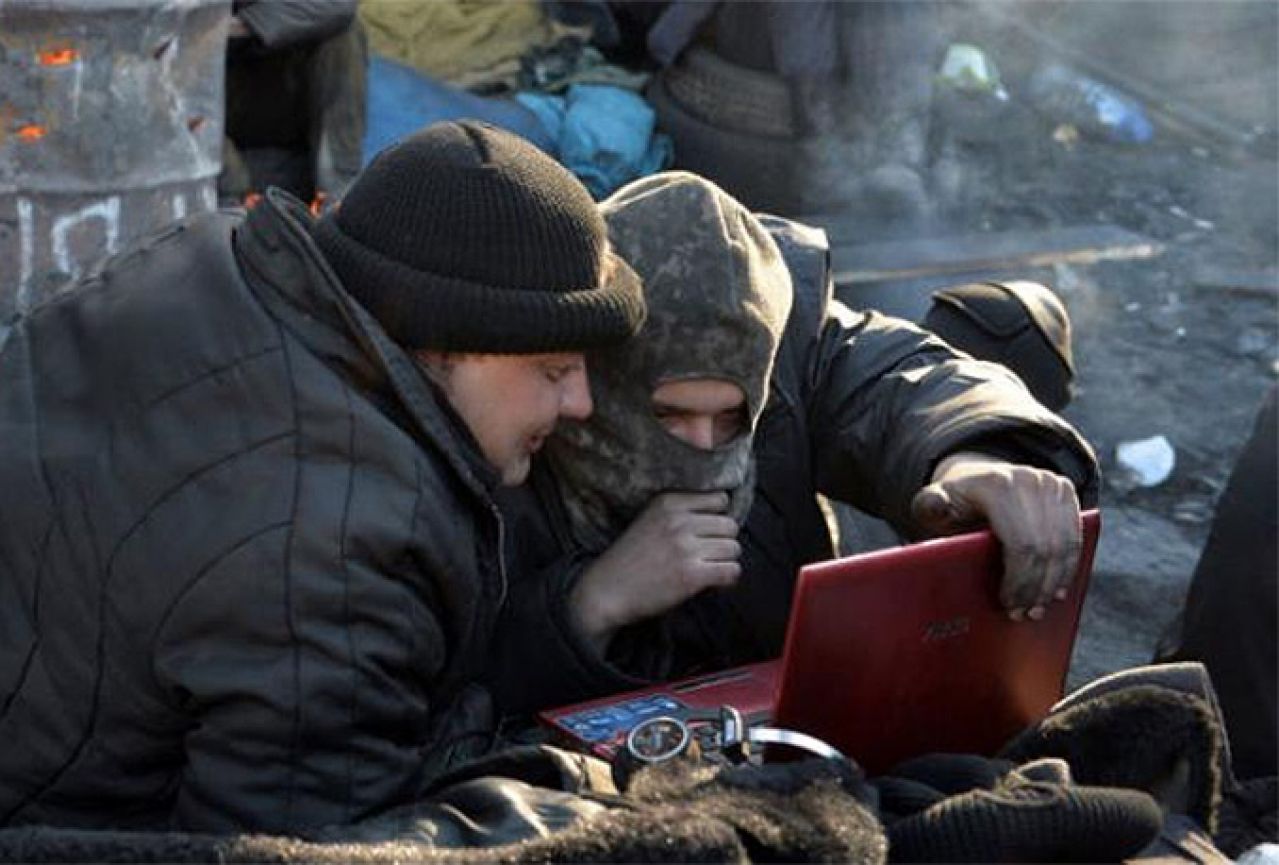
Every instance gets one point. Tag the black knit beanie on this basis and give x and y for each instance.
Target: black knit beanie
(463, 237)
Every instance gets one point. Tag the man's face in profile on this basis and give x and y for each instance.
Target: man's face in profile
(512, 402)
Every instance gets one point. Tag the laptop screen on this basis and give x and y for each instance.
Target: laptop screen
(906, 651)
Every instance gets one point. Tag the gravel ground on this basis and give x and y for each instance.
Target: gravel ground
(1161, 355)
(1158, 352)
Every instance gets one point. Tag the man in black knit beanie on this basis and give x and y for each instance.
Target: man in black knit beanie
(487, 260)
(250, 563)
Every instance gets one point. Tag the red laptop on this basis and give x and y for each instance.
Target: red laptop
(888, 655)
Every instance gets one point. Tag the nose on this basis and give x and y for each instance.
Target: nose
(700, 432)
(575, 396)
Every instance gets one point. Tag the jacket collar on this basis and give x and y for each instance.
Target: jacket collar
(283, 266)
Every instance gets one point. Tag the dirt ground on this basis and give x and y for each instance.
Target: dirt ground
(1159, 354)
(1162, 348)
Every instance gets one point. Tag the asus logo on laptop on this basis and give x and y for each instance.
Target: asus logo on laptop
(945, 630)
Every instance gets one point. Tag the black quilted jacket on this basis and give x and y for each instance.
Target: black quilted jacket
(246, 560)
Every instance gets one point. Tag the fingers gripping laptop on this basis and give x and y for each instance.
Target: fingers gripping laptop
(888, 655)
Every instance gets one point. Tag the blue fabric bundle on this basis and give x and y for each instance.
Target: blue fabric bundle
(604, 134)
(402, 100)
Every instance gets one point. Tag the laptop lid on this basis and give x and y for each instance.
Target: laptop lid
(907, 651)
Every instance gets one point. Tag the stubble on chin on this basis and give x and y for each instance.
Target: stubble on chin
(516, 472)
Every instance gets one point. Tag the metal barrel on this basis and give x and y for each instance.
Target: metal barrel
(110, 126)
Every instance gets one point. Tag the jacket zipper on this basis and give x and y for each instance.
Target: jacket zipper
(501, 553)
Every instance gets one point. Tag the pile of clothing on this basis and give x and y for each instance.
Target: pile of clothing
(1135, 764)
(516, 67)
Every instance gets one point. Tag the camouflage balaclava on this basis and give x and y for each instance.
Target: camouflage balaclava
(718, 295)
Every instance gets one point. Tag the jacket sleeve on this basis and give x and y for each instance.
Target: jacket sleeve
(537, 659)
(279, 24)
(540, 661)
(886, 401)
(301, 712)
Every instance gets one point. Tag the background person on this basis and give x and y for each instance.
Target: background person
(295, 98)
(1230, 621)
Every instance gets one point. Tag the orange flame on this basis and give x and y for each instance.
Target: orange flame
(251, 200)
(59, 57)
(32, 132)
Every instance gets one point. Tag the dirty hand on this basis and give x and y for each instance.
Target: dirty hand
(679, 545)
(1034, 513)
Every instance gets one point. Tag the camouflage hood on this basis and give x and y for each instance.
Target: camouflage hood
(718, 295)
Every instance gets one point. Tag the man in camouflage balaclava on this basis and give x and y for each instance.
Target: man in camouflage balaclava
(663, 534)
(718, 295)
(676, 407)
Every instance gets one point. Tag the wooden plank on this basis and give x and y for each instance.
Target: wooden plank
(1263, 282)
(912, 298)
(938, 256)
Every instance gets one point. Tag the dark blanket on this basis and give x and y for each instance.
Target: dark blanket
(679, 812)
(1091, 782)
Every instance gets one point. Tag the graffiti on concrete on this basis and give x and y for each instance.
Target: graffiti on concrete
(52, 241)
(27, 251)
(106, 211)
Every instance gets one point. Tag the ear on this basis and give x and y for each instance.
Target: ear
(437, 364)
